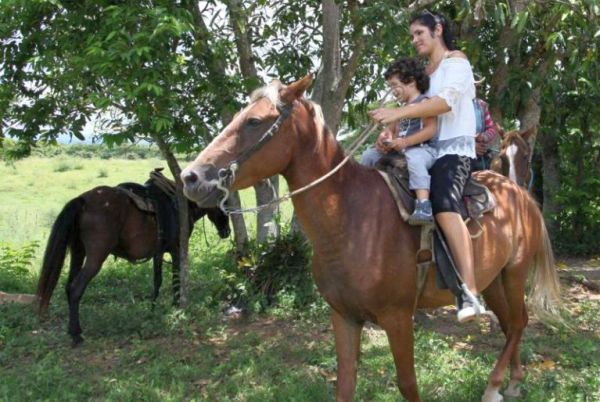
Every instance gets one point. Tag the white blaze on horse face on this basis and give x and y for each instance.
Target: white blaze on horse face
(511, 152)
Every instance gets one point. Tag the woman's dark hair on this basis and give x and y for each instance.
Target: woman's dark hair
(430, 20)
(408, 70)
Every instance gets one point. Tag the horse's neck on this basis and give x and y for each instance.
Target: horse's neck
(320, 209)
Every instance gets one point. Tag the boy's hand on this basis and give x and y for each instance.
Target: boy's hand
(399, 144)
(384, 141)
(481, 146)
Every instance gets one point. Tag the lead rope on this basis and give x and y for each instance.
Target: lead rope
(351, 150)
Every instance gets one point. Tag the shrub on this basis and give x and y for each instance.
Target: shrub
(15, 263)
(62, 167)
(278, 272)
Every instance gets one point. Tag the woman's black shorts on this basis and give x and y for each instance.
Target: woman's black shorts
(449, 175)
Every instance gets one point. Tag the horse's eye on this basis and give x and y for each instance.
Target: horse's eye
(253, 122)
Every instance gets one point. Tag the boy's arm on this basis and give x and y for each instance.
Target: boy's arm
(490, 128)
(425, 134)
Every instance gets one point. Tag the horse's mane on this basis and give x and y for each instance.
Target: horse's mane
(271, 93)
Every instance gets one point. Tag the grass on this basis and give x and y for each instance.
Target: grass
(136, 352)
(34, 190)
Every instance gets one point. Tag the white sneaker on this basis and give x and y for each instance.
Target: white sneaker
(469, 310)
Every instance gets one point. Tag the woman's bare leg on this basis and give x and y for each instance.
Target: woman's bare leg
(459, 240)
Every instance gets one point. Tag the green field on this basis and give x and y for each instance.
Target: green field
(34, 190)
(275, 353)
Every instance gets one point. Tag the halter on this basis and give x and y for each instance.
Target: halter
(226, 175)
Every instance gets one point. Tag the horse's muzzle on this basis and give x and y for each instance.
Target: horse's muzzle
(200, 185)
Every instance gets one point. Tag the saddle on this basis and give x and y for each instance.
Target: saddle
(157, 196)
(478, 200)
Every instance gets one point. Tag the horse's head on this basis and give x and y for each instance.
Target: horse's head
(219, 218)
(221, 221)
(256, 144)
(515, 156)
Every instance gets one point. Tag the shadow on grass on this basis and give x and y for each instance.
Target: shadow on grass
(134, 352)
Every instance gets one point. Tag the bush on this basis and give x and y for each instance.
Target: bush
(15, 263)
(62, 167)
(278, 272)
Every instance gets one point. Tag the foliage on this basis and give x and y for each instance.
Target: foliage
(275, 273)
(88, 151)
(15, 266)
(279, 270)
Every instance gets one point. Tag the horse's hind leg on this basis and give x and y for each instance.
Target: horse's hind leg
(510, 312)
(399, 329)
(495, 299)
(516, 369)
(77, 257)
(347, 348)
(93, 263)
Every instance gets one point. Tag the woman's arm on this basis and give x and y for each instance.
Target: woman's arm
(428, 108)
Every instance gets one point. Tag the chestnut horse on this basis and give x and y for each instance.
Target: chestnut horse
(514, 160)
(365, 255)
(104, 221)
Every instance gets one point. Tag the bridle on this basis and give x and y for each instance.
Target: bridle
(226, 175)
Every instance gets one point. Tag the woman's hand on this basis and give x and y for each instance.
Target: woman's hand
(386, 115)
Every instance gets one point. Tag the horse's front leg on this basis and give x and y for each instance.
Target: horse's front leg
(399, 329)
(347, 347)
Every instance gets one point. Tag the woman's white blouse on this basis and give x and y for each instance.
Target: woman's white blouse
(453, 81)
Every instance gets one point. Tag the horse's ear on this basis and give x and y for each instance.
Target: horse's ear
(529, 133)
(296, 89)
(500, 130)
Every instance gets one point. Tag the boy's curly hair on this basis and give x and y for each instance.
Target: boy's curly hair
(407, 70)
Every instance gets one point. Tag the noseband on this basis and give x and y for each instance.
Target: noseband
(226, 175)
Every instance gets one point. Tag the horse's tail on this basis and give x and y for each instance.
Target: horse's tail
(544, 294)
(61, 235)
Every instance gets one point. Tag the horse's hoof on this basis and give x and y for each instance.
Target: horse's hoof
(513, 391)
(492, 396)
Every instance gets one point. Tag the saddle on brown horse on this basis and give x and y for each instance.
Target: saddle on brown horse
(477, 198)
(156, 196)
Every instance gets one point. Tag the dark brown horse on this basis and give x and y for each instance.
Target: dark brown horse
(365, 255)
(514, 160)
(104, 221)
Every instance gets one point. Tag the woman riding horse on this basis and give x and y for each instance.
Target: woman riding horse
(451, 93)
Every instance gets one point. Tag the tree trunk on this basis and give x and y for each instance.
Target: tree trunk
(550, 158)
(217, 67)
(183, 218)
(239, 225)
(333, 81)
(266, 225)
(580, 172)
(505, 57)
(238, 20)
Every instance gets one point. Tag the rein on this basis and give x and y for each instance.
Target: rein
(227, 175)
